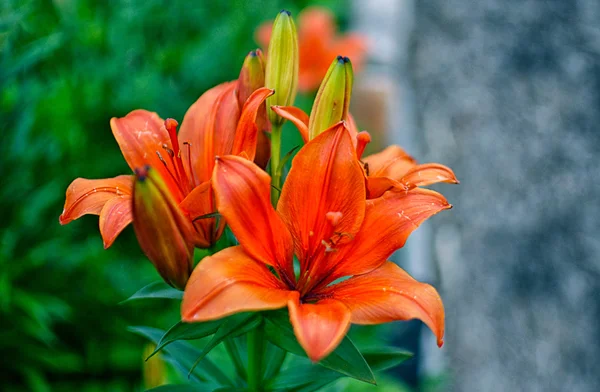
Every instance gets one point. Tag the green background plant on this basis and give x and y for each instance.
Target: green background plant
(66, 68)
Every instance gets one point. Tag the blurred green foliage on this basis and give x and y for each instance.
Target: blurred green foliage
(66, 68)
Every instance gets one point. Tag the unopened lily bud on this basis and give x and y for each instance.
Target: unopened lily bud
(282, 64)
(252, 75)
(161, 228)
(333, 98)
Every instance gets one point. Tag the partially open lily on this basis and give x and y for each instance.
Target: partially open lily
(324, 219)
(222, 121)
(390, 169)
(318, 45)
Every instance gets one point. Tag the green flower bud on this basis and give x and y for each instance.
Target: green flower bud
(252, 75)
(333, 98)
(282, 65)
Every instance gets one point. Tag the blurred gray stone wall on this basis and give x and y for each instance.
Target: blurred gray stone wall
(508, 95)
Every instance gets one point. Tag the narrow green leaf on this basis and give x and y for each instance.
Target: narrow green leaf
(209, 215)
(176, 388)
(235, 325)
(156, 290)
(303, 377)
(187, 331)
(385, 357)
(185, 354)
(345, 359)
(275, 358)
(234, 353)
(285, 159)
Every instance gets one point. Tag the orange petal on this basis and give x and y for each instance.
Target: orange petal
(393, 162)
(377, 186)
(246, 134)
(89, 196)
(209, 126)
(228, 282)
(296, 116)
(388, 222)
(243, 198)
(427, 174)
(319, 327)
(114, 217)
(200, 201)
(141, 135)
(388, 294)
(325, 177)
(263, 34)
(352, 46)
(316, 25)
(263, 149)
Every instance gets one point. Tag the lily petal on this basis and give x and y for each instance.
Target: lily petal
(427, 174)
(388, 294)
(89, 196)
(209, 126)
(377, 186)
(325, 178)
(389, 220)
(392, 162)
(319, 327)
(243, 198)
(297, 116)
(246, 134)
(229, 282)
(140, 135)
(200, 201)
(114, 217)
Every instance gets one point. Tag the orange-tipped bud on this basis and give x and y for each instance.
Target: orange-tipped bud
(161, 228)
(282, 64)
(252, 75)
(333, 98)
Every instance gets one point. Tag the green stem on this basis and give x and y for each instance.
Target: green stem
(275, 162)
(256, 348)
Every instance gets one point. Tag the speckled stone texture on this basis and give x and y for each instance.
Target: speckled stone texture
(508, 94)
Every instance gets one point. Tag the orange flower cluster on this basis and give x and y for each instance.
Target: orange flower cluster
(320, 248)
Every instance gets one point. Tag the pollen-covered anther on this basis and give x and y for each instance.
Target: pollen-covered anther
(362, 139)
(168, 150)
(328, 246)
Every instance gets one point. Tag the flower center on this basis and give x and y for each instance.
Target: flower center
(186, 181)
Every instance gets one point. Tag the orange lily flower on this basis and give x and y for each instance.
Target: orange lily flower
(392, 168)
(318, 45)
(222, 121)
(324, 220)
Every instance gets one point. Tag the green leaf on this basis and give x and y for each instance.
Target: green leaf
(345, 359)
(275, 357)
(385, 357)
(286, 158)
(185, 354)
(187, 331)
(176, 388)
(156, 290)
(303, 377)
(232, 326)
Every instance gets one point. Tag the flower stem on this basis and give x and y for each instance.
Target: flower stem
(256, 348)
(275, 161)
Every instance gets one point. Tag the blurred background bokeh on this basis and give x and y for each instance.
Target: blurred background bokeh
(507, 93)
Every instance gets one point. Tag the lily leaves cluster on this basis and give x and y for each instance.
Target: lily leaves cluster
(311, 248)
(280, 373)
